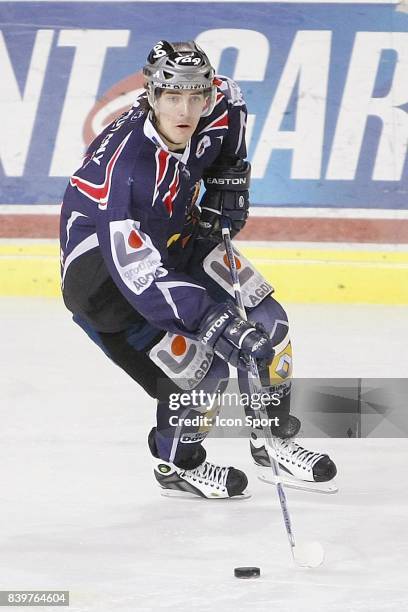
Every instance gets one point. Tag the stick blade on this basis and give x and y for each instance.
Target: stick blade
(308, 554)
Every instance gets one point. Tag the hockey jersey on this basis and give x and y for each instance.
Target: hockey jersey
(129, 216)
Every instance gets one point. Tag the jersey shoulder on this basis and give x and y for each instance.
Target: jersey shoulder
(230, 90)
(117, 145)
(115, 160)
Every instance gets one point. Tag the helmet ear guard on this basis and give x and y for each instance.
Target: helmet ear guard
(179, 66)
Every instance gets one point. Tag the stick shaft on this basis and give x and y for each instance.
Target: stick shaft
(254, 381)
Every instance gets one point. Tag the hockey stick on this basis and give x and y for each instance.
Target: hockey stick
(308, 554)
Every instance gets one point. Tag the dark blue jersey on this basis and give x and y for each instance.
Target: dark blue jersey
(129, 214)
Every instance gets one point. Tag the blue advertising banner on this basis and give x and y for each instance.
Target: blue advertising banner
(326, 87)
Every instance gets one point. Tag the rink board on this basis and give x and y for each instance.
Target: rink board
(326, 94)
(299, 275)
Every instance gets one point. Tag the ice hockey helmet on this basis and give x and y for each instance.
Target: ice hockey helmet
(179, 65)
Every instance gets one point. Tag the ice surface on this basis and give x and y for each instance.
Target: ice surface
(79, 510)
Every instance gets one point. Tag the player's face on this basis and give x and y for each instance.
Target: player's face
(177, 115)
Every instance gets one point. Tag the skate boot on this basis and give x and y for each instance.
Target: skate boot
(300, 468)
(197, 477)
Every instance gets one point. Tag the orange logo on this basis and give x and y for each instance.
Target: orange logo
(178, 346)
(134, 240)
(237, 262)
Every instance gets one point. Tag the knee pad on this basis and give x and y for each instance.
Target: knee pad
(277, 377)
(280, 370)
(274, 318)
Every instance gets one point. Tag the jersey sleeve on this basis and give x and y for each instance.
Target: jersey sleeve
(234, 145)
(133, 242)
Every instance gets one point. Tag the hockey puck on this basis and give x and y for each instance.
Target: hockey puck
(247, 572)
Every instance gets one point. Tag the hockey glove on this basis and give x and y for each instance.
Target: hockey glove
(226, 195)
(235, 340)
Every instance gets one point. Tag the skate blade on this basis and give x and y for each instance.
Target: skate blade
(265, 474)
(187, 495)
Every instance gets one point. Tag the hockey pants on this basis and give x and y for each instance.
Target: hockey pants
(176, 441)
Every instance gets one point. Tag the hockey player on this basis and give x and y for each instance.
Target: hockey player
(144, 273)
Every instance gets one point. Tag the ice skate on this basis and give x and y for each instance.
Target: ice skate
(197, 477)
(300, 468)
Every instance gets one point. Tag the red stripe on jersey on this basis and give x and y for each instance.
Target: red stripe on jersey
(162, 164)
(100, 193)
(163, 159)
(171, 195)
(220, 122)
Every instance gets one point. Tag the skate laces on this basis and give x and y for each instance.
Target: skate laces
(298, 454)
(209, 474)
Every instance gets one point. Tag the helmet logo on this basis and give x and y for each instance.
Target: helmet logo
(188, 60)
(160, 49)
(158, 52)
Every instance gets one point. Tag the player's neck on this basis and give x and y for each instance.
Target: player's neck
(176, 147)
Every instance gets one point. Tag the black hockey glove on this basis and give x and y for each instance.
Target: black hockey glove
(235, 340)
(226, 195)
